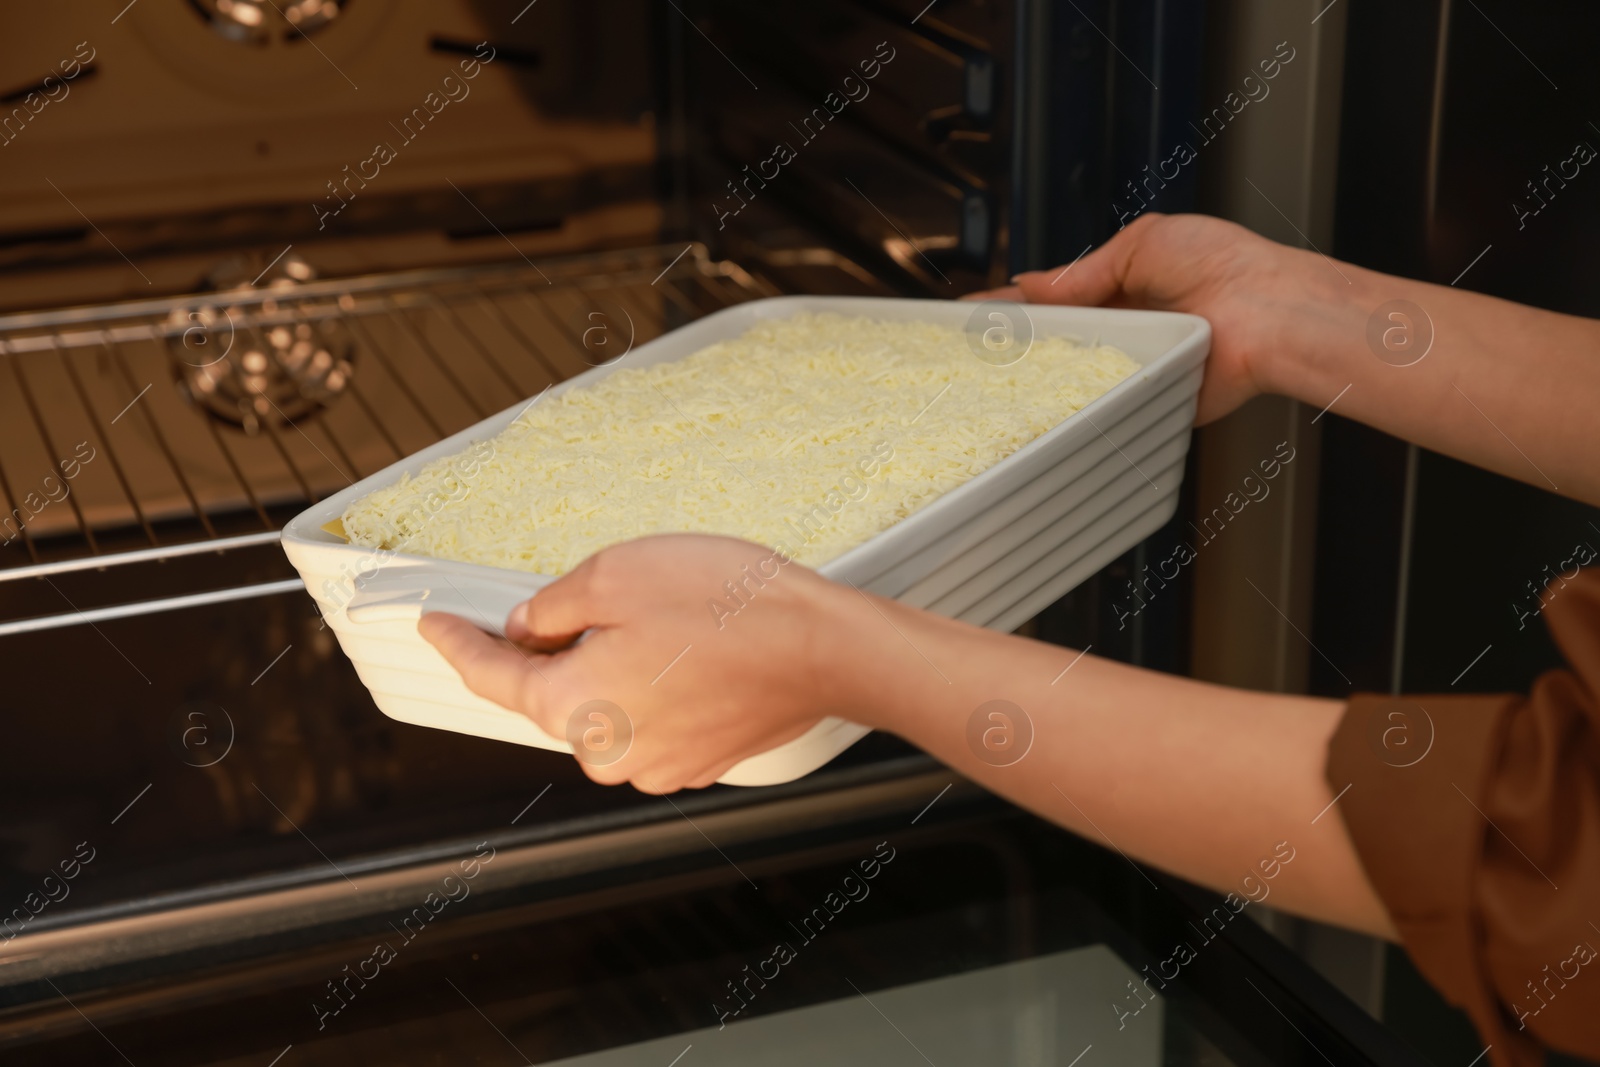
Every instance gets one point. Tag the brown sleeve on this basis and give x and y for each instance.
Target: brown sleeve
(1478, 820)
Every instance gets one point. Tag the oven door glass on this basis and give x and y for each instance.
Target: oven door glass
(864, 926)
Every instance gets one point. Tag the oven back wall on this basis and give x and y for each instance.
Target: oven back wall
(185, 124)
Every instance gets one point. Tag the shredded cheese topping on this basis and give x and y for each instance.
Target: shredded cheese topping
(808, 434)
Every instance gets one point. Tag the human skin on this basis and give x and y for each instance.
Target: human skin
(1197, 779)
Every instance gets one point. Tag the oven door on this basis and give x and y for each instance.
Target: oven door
(896, 915)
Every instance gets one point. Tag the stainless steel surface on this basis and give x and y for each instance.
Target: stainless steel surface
(186, 145)
(148, 607)
(139, 555)
(220, 914)
(428, 352)
(262, 22)
(1291, 153)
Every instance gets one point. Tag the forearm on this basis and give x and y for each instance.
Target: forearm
(1195, 779)
(1503, 386)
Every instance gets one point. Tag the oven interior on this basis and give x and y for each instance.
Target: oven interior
(251, 252)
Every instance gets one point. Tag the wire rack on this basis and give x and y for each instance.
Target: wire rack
(148, 430)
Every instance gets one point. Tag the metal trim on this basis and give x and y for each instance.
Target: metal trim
(150, 607)
(140, 555)
(568, 270)
(86, 946)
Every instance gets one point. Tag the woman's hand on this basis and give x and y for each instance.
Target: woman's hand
(1261, 298)
(709, 646)
(1195, 778)
(1496, 384)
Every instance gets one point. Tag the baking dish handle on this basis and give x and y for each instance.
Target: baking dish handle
(485, 604)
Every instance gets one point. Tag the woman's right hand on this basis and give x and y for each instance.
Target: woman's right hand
(1265, 301)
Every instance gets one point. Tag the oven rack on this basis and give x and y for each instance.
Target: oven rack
(430, 352)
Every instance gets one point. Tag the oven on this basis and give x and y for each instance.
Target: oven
(254, 250)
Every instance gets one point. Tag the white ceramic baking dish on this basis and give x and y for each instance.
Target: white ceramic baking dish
(993, 551)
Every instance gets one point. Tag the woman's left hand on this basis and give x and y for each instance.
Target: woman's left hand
(704, 649)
